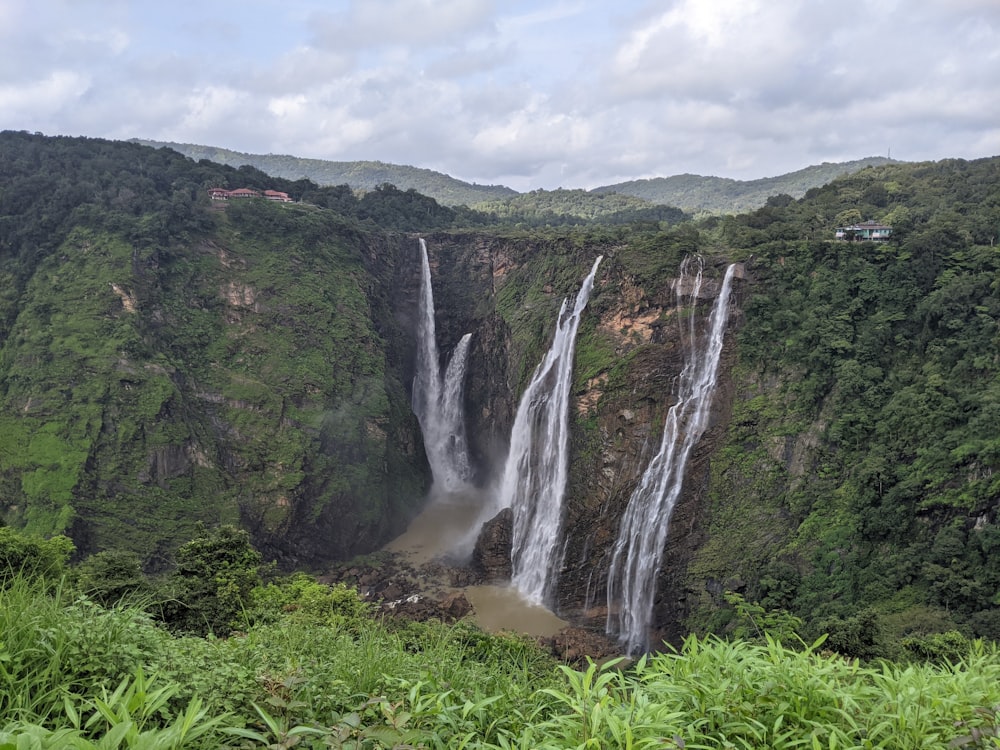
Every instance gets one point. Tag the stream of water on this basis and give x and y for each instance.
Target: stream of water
(535, 473)
(638, 551)
(438, 396)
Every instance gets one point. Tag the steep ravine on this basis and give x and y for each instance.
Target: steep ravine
(507, 292)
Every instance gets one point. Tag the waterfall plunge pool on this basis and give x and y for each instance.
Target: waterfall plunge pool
(446, 529)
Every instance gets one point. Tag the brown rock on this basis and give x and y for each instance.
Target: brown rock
(575, 645)
(491, 555)
(456, 606)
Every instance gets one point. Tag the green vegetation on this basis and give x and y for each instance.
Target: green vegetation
(634, 201)
(310, 667)
(541, 208)
(165, 361)
(317, 686)
(362, 176)
(721, 195)
(859, 478)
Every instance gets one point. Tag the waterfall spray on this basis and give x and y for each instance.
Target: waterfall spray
(438, 398)
(534, 477)
(638, 551)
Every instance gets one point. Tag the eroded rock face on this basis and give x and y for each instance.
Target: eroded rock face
(493, 288)
(448, 607)
(609, 458)
(575, 645)
(491, 556)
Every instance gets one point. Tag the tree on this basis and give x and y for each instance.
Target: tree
(211, 585)
(31, 557)
(111, 576)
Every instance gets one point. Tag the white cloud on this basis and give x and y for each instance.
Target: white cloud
(43, 98)
(538, 93)
(408, 23)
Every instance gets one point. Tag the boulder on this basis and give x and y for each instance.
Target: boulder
(491, 555)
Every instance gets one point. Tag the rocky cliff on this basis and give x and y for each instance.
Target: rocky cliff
(251, 372)
(629, 353)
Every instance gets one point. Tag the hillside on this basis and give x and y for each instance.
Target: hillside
(359, 175)
(690, 193)
(166, 359)
(720, 195)
(858, 486)
(568, 207)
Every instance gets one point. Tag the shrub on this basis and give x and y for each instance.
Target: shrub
(111, 576)
(210, 589)
(31, 557)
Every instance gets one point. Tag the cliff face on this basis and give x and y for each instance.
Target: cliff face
(629, 354)
(620, 418)
(235, 376)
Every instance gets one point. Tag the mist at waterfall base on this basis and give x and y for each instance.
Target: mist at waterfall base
(642, 535)
(440, 532)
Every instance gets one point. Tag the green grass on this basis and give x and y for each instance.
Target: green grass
(317, 672)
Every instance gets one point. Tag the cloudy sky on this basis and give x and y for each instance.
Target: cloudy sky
(525, 93)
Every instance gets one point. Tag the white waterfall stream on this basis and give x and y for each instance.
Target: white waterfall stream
(534, 477)
(438, 397)
(638, 551)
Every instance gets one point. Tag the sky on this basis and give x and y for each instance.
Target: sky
(532, 94)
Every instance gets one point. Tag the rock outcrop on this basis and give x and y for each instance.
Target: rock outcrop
(491, 556)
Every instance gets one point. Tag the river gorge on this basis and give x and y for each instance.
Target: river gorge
(529, 454)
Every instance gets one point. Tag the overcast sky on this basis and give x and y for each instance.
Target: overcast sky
(525, 93)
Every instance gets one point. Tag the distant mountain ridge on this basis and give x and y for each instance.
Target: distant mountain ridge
(359, 175)
(697, 194)
(693, 194)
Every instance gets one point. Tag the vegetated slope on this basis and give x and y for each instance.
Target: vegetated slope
(859, 484)
(721, 195)
(312, 669)
(164, 361)
(577, 207)
(359, 175)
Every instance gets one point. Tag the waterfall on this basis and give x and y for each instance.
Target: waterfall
(437, 397)
(534, 476)
(637, 554)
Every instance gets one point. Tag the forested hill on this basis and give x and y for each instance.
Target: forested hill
(166, 359)
(693, 194)
(860, 485)
(720, 195)
(359, 175)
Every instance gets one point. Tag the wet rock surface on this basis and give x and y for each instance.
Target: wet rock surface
(399, 589)
(575, 645)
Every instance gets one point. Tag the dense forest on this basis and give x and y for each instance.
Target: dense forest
(172, 368)
(866, 436)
